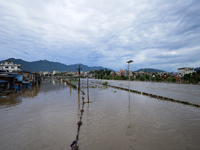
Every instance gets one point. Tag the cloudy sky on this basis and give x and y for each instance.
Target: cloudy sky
(161, 34)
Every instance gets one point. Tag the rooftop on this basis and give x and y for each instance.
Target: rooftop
(2, 81)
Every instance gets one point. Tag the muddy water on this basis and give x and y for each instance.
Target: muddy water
(45, 117)
(184, 92)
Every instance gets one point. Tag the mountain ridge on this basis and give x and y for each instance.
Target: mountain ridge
(150, 70)
(45, 65)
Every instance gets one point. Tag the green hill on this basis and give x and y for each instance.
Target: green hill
(150, 70)
(45, 65)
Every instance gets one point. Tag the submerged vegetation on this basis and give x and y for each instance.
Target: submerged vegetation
(105, 83)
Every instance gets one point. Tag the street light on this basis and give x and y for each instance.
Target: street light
(130, 61)
(94, 73)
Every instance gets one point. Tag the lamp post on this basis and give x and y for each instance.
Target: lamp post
(94, 73)
(130, 61)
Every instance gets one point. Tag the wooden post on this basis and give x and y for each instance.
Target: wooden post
(87, 90)
(79, 72)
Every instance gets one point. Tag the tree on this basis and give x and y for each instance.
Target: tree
(173, 79)
(169, 79)
(142, 78)
(194, 73)
(186, 77)
(198, 71)
(197, 79)
(147, 77)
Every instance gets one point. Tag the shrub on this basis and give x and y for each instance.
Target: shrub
(142, 78)
(197, 79)
(169, 79)
(116, 77)
(107, 77)
(159, 79)
(105, 82)
(173, 79)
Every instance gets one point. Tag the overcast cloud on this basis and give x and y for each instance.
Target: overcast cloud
(161, 34)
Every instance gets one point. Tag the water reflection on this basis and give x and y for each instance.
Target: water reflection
(79, 102)
(15, 99)
(129, 128)
(30, 92)
(47, 86)
(10, 101)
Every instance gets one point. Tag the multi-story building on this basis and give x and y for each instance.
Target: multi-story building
(9, 66)
(186, 70)
(55, 72)
(120, 72)
(125, 73)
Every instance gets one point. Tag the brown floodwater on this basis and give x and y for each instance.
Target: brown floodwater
(183, 92)
(46, 116)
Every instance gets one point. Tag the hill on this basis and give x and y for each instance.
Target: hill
(45, 65)
(150, 70)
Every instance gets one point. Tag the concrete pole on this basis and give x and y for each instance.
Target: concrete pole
(130, 61)
(94, 73)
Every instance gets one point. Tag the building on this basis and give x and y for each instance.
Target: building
(46, 73)
(126, 72)
(10, 79)
(9, 66)
(186, 70)
(18, 77)
(55, 72)
(4, 85)
(120, 72)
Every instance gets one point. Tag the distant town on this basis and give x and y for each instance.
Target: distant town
(12, 77)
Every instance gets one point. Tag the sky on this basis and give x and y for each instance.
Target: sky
(160, 34)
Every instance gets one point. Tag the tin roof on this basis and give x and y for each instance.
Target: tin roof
(2, 81)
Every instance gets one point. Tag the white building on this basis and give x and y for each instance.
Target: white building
(46, 72)
(10, 66)
(54, 72)
(186, 70)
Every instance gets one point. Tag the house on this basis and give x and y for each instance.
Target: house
(18, 77)
(9, 66)
(120, 72)
(55, 72)
(10, 79)
(185, 70)
(4, 85)
(125, 73)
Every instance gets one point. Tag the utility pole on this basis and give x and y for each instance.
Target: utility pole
(94, 73)
(79, 72)
(130, 61)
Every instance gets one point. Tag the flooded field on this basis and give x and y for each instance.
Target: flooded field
(46, 116)
(184, 92)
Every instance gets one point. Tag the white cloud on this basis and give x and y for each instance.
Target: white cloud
(108, 33)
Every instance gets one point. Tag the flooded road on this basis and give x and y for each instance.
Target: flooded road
(184, 92)
(46, 116)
